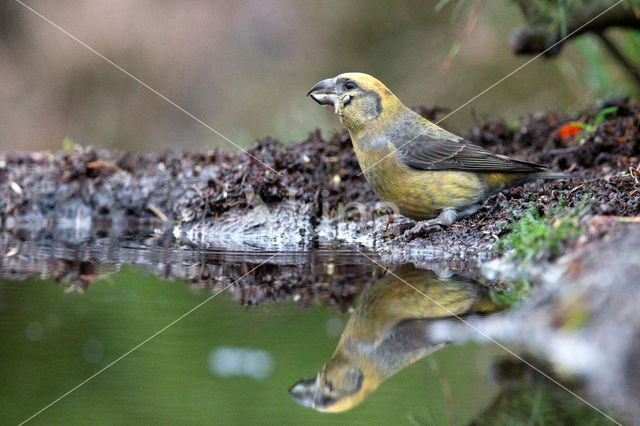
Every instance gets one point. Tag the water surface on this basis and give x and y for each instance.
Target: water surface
(67, 310)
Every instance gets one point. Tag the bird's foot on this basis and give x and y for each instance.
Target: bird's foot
(421, 229)
(401, 225)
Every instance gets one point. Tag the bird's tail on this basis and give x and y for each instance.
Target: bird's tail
(552, 175)
(530, 177)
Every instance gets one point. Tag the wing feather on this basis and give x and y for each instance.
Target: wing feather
(441, 150)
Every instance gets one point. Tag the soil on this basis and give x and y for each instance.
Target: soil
(207, 194)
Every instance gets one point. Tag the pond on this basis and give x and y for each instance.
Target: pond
(122, 330)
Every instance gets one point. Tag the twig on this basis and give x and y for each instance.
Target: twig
(633, 219)
(156, 211)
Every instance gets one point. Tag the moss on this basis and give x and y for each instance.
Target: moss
(538, 236)
(508, 295)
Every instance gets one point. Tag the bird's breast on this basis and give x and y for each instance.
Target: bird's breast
(417, 194)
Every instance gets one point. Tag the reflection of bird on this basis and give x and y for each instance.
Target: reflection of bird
(426, 171)
(388, 331)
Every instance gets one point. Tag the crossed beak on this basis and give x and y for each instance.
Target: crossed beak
(324, 92)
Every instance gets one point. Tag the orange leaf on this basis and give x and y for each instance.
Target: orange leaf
(568, 130)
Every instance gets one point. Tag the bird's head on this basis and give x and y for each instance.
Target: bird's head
(358, 99)
(339, 386)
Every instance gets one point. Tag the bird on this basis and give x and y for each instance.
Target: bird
(427, 173)
(388, 331)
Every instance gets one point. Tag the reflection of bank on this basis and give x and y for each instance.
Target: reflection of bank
(389, 330)
(528, 397)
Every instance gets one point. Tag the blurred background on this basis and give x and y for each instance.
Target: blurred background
(244, 67)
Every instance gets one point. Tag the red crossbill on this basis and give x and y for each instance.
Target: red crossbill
(428, 173)
(389, 330)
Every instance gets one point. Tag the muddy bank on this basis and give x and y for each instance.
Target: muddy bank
(323, 277)
(224, 200)
(326, 276)
(583, 320)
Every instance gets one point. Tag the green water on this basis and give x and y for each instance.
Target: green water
(53, 339)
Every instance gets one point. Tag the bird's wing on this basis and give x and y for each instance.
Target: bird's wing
(440, 150)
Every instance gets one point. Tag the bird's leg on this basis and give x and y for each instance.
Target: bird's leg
(444, 219)
(469, 211)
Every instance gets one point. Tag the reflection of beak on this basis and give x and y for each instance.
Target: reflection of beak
(324, 92)
(304, 391)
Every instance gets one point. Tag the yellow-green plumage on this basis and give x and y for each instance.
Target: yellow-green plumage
(388, 331)
(418, 194)
(424, 170)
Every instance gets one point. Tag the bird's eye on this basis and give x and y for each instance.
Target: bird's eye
(349, 85)
(328, 387)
